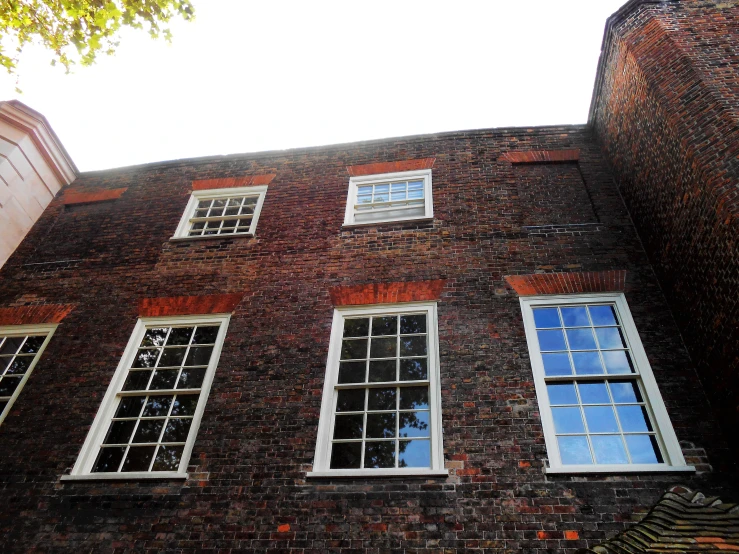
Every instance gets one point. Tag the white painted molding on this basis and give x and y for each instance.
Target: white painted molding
(34, 166)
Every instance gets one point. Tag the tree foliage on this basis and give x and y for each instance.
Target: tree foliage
(76, 31)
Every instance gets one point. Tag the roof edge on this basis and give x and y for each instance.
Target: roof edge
(545, 129)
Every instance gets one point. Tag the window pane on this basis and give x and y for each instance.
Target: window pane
(381, 426)
(601, 419)
(609, 449)
(574, 450)
(618, 362)
(172, 357)
(177, 430)
(354, 349)
(594, 393)
(412, 324)
(108, 459)
(414, 398)
(120, 432)
(567, 420)
(546, 317)
(347, 455)
(184, 404)
(563, 393)
(575, 317)
(610, 337)
(199, 355)
(180, 336)
(352, 372)
(414, 424)
(348, 426)
(148, 430)
(633, 419)
(379, 454)
(350, 401)
(137, 380)
(381, 399)
(191, 378)
(168, 458)
(625, 391)
(163, 379)
(587, 363)
(8, 385)
(157, 406)
(643, 449)
(413, 370)
(384, 325)
(551, 340)
(581, 339)
(602, 315)
(383, 348)
(32, 345)
(556, 364)
(138, 458)
(413, 346)
(130, 406)
(414, 453)
(20, 365)
(11, 345)
(356, 327)
(380, 371)
(205, 335)
(155, 337)
(146, 358)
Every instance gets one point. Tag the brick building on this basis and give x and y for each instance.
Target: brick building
(495, 340)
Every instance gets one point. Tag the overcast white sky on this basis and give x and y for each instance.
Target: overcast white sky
(248, 76)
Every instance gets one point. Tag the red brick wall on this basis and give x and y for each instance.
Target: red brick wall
(248, 490)
(666, 113)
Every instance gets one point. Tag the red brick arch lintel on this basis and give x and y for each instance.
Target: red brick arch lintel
(387, 293)
(189, 305)
(35, 315)
(568, 283)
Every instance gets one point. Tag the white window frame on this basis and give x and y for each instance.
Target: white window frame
(22, 331)
(665, 434)
(82, 469)
(382, 178)
(322, 460)
(183, 227)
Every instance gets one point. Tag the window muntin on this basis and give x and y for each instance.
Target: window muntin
(211, 213)
(600, 405)
(20, 350)
(148, 421)
(381, 401)
(389, 197)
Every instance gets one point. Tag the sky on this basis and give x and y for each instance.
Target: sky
(249, 76)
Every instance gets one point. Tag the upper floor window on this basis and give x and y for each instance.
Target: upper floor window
(20, 349)
(381, 412)
(231, 211)
(389, 197)
(601, 408)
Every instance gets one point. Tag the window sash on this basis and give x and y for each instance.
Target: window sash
(380, 211)
(83, 468)
(329, 413)
(642, 375)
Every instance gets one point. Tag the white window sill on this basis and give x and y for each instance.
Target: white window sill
(211, 237)
(379, 473)
(388, 221)
(618, 468)
(128, 476)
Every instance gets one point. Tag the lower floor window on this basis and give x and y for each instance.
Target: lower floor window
(381, 398)
(599, 401)
(20, 349)
(149, 417)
